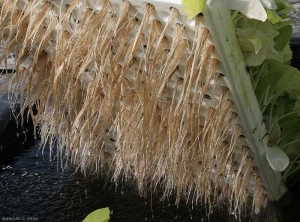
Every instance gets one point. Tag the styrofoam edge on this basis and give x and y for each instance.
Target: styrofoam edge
(163, 5)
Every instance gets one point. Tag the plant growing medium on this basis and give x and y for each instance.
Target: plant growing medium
(196, 98)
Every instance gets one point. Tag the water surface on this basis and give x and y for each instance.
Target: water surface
(35, 188)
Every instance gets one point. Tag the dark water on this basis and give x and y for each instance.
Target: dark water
(34, 188)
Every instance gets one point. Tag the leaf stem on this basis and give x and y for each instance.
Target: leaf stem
(287, 172)
(234, 15)
(294, 112)
(283, 147)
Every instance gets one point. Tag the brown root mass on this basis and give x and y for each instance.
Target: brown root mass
(121, 89)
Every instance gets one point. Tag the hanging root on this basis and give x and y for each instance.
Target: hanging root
(125, 90)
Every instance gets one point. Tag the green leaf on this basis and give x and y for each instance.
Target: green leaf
(266, 32)
(251, 44)
(270, 4)
(273, 17)
(256, 43)
(290, 126)
(269, 80)
(277, 159)
(281, 78)
(100, 215)
(273, 129)
(283, 23)
(255, 59)
(294, 149)
(289, 81)
(287, 55)
(283, 7)
(253, 9)
(282, 40)
(192, 7)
